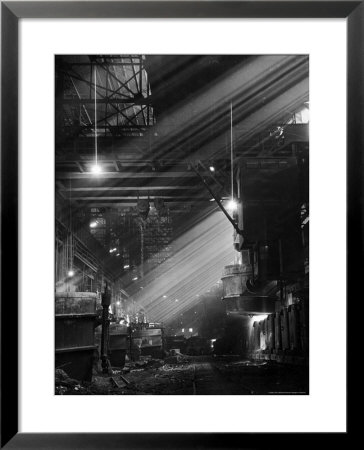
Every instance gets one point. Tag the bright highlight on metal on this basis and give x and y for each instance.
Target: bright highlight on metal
(259, 317)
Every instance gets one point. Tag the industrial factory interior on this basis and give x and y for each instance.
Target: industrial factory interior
(181, 224)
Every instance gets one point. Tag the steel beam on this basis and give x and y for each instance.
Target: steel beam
(134, 199)
(168, 187)
(109, 100)
(122, 175)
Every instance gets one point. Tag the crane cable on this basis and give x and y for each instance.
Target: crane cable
(95, 116)
(231, 151)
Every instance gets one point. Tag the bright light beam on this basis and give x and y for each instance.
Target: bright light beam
(201, 255)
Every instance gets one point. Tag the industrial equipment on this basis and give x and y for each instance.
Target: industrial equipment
(105, 301)
(74, 333)
(146, 341)
(197, 345)
(236, 296)
(117, 343)
(175, 342)
(268, 218)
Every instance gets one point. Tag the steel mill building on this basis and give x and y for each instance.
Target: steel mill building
(181, 224)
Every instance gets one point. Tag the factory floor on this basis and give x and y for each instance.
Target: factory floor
(194, 375)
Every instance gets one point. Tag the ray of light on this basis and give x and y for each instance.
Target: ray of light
(201, 254)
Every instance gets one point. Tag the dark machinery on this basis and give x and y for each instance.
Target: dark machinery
(105, 301)
(267, 233)
(146, 340)
(74, 333)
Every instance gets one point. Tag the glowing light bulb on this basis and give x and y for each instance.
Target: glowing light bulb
(232, 205)
(212, 169)
(96, 169)
(93, 224)
(71, 273)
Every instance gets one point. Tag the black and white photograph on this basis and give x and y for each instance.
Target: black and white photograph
(181, 224)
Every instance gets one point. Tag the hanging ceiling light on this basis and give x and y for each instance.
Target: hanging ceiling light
(231, 152)
(232, 205)
(96, 169)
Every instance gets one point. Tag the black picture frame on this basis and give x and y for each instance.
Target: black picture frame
(11, 12)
